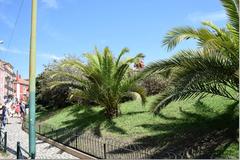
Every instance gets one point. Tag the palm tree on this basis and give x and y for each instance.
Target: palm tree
(211, 69)
(103, 79)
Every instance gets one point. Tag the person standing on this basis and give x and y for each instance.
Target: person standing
(5, 100)
(4, 117)
(22, 111)
(7, 106)
(18, 109)
(12, 109)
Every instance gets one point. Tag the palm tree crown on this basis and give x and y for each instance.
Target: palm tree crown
(103, 79)
(211, 69)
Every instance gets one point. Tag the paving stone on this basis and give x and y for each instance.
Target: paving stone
(43, 149)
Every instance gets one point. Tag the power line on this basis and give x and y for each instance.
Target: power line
(15, 24)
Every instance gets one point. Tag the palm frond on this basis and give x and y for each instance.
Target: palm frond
(124, 50)
(194, 74)
(190, 59)
(193, 91)
(177, 35)
(76, 94)
(102, 79)
(74, 63)
(65, 83)
(214, 27)
(232, 9)
(134, 59)
(211, 69)
(70, 76)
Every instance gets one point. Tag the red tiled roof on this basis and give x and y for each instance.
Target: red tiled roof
(22, 81)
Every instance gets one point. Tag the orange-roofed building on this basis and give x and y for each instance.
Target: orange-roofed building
(21, 88)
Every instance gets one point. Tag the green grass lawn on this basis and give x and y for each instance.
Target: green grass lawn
(211, 123)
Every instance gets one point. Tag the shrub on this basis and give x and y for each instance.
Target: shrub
(154, 84)
(46, 97)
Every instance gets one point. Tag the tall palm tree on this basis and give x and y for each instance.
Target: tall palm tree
(211, 69)
(103, 79)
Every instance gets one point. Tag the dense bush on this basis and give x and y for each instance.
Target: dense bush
(154, 84)
(51, 97)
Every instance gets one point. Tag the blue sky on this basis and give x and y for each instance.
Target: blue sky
(77, 26)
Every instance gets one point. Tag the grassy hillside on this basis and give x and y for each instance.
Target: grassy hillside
(211, 123)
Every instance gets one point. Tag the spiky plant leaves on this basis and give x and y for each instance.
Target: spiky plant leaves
(232, 9)
(212, 69)
(103, 79)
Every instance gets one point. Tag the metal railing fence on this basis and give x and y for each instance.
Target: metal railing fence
(104, 148)
(3, 140)
(20, 153)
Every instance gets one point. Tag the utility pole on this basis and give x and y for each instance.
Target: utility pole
(32, 81)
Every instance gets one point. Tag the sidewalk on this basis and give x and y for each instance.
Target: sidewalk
(43, 150)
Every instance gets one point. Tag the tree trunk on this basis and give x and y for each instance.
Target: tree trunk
(111, 112)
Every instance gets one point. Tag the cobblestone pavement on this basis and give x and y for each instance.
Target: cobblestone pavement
(43, 150)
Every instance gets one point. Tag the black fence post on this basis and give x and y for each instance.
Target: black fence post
(104, 151)
(18, 150)
(57, 135)
(76, 137)
(39, 129)
(32, 156)
(147, 154)
(43, 130)
(52, 133)
(0, 135)
(5, 142)
(23, 124)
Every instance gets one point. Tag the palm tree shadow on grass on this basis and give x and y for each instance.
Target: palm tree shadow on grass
(85, 118)
(193, 136)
